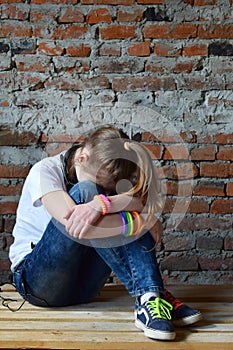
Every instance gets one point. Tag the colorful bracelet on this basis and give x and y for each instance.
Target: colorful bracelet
(106, 201)
(102, 203)
(130, 225)
(127, 222)
(139, 220)
(124, 222)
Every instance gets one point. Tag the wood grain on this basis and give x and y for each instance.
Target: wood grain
(107, 323)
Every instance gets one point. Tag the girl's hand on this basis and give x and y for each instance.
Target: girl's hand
(81, 217)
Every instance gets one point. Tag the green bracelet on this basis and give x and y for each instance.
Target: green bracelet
(130, 225)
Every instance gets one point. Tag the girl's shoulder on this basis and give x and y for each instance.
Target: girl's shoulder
(49, 162)
(47, 167)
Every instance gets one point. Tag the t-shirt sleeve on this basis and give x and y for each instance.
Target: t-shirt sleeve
(44, 177)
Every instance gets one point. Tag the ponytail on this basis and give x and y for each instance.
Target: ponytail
(147, 185)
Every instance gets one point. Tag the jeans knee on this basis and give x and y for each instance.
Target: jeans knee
(84, 191)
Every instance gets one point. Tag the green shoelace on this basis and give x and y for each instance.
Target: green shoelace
(159, 308)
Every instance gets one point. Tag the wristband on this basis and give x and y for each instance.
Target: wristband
(139, 221)
(106, 202)
(102, 203)
(129, 224)
(124, 222)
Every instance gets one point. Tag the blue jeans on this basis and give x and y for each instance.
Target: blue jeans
(61, 271)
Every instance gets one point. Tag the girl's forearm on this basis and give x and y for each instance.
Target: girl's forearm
(57, 204)
(124, 202)
(87, 220)
(108, 226)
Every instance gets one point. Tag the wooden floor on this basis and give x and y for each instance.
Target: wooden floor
(108, 323)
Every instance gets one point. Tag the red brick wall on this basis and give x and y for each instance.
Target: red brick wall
(61, 59)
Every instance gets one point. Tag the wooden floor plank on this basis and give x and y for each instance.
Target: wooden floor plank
(125, 304)
(37, 338)
(108, 323)
(185, 292)
(191, 294)
(110, 316)
(100, 325)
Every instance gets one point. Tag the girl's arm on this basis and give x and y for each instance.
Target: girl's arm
(58, 203)
(124, 202)
(86, 220)
(83, 220)
(80, 223)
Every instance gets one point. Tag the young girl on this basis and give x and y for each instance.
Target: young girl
(87, 212)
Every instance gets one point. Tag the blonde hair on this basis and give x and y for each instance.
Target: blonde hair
(113, 157)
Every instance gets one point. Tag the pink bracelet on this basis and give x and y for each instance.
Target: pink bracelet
(106, 202)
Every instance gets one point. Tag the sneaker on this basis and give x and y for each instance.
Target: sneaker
(182, 314)
(153, 317)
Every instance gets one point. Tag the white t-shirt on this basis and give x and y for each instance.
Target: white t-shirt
(32, 217)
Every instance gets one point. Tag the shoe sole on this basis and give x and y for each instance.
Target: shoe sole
(157, 335)
(188, 320)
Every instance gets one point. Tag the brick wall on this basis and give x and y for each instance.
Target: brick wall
(162, 70)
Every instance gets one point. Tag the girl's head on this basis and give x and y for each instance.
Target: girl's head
(117, 164)
(104, 159)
